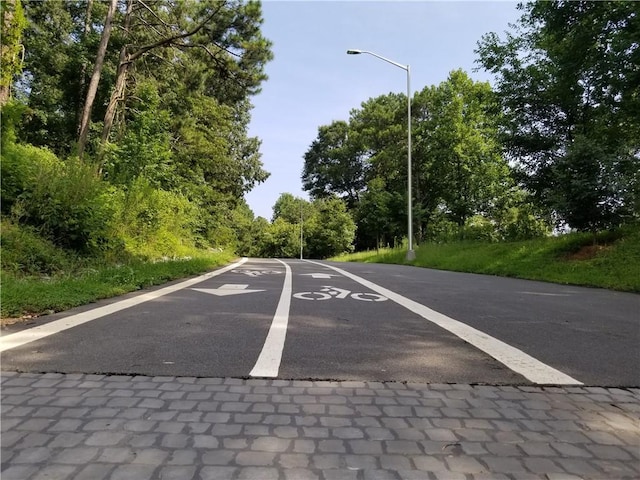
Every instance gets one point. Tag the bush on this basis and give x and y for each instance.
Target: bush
(24, 252)
(479, 228)
(154, 223)
(19, 164)
(66, 201)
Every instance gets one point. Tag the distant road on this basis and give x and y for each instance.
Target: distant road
(296, 319)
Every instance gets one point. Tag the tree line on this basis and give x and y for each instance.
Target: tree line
(555, 144)
(125, 122)
(124, 130)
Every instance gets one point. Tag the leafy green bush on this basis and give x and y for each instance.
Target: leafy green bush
(480, 228)
(330, 231)
(24, 252)
(66, 201)
(19, 165)
(154, 223)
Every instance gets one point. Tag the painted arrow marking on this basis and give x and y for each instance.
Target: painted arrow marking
(321, 275)
(227, 289)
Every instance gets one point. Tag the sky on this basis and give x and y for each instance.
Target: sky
(312, 81)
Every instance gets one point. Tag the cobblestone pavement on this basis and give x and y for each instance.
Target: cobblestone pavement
(62, 426)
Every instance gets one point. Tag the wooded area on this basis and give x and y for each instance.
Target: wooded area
(555, 144)
(124, 132)
(125, 122)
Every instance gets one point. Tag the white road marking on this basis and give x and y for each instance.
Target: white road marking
(513, 358)
(312, 296)
(369, 297)
(320, 275)
(547, 294)
(227, 289)
(337, 292)
(268, 362)
(36, 333)
(256, 273)
(328, 293)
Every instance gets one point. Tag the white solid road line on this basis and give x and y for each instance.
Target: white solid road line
(268, 362)
(36, 333)
(516, 360)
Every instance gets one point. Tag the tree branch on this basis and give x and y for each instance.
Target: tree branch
(168, 41)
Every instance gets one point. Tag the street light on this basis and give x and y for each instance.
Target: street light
(411, 255)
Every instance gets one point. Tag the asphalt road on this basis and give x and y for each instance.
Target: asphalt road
(297, 319)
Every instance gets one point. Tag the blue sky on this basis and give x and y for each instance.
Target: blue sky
(312, 81)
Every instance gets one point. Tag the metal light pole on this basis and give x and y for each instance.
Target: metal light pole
(411, 254)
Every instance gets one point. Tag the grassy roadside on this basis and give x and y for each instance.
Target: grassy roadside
(613, 263)
(30, 295)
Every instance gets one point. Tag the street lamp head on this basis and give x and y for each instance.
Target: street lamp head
(354, 52)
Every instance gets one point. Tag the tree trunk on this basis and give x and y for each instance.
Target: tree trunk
(121, 80)
(95, 79)
(83, 70)
(12, 25)
(7, 19)
(117, 94)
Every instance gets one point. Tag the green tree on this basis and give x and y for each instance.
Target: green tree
(57, 50)
(374, 219)
(330, 231)
(291, 209)
(282, 240)
(568, 81)
(334, 165)
(92, 89)
(345, 157)
(259, 237)
(244, 227)
(145, 148)
(220, 42)
(460, 168)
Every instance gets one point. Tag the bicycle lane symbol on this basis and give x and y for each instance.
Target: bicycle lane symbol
(327, 293)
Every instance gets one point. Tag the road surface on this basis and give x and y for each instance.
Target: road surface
(293, 319)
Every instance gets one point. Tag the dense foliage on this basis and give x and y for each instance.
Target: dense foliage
(318, 229)
(568, 81)
(555, 145)
(463, 185)
(165, 159)
(124, 134)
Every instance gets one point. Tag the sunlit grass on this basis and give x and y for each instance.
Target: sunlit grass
(569, 259)
(35, 295)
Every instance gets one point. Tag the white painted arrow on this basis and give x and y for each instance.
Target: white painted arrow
(227, 289)
(321, 275)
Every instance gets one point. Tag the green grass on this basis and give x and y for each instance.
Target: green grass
(38, 276)
(22, 295)
(567, 259)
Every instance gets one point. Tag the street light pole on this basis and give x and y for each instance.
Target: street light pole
(411, 254)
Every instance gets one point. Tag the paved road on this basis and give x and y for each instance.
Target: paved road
(94, 427)
(360, 372)
(311, 320)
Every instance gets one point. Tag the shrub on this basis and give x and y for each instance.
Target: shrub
(19, 164)
(24, 252)
(66, 201)
(153, 222)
